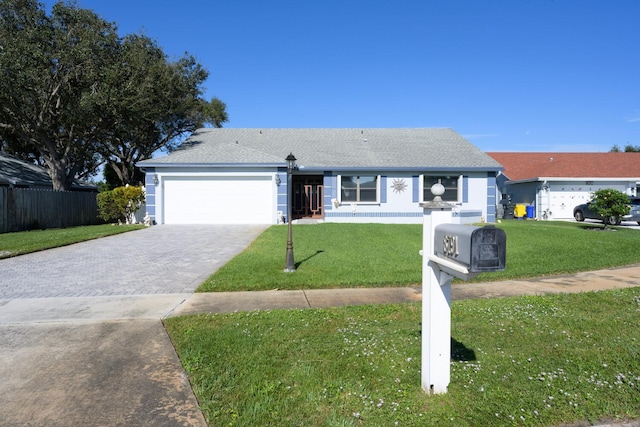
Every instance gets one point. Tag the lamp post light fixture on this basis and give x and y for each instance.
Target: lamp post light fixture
(290, 265)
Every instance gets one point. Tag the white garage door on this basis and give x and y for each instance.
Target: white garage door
(566, 196)
(563, 202)
(218, 200)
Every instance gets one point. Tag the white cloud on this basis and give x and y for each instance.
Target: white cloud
(634, 117)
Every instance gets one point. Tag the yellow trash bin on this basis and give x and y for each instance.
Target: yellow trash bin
(520, 211)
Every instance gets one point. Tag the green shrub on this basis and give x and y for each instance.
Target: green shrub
(610, 204)
(120, 204)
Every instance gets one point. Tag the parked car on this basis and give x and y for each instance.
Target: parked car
(585, 211)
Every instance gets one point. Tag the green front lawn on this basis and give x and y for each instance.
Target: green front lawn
(525, 361)
(24, 242)
(356, 255)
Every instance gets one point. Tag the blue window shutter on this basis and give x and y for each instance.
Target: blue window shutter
(330, 181)
(416, 189)
(383, 189)
(465, 189)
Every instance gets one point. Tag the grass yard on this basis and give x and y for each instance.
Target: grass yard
(526, 361)
(369, 255)
(13, 244)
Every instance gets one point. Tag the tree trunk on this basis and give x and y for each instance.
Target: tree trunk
(121, 171)
(59, 177)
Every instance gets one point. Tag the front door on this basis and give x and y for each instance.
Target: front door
(308, 195)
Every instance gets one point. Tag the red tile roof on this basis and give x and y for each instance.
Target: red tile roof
(523, 166)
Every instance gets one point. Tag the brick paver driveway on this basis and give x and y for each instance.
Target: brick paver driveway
(83, 341)
(163, 259)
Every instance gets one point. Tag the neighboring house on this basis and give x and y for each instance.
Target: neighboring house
(16, 173)
(555, 183)
(223, 176)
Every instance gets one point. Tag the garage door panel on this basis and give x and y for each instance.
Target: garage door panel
(218, 200)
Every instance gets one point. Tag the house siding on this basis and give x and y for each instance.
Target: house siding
(492, 203)
(478, 201)
(465, 189)
(330, 190)
(281, 194)
(150, 192)
(394, 206)
(383, 189)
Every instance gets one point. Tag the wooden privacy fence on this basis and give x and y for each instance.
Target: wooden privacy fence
(29, 209)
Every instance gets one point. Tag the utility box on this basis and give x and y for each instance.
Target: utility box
(478, 249)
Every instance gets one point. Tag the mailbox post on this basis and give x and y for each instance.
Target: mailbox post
(449, 250)
(436, 301)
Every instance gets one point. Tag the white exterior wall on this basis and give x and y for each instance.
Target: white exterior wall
(398, 209)
(478, 193)
(403, 207)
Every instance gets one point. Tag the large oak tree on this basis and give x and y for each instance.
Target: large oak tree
(74, 94)
(150, 103)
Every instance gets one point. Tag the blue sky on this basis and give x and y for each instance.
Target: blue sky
(509, 75)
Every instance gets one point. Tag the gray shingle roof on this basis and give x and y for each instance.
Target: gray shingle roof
(15, 172)
(322, 148)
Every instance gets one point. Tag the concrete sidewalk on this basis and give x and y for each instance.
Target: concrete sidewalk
(107, 373)
(225, 302)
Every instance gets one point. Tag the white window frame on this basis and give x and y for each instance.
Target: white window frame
(459, 186)
(377, 201)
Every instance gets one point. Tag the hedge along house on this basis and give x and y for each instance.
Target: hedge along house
(239, 176)
(555, 183)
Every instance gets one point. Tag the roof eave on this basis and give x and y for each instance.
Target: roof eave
(402, 168)
(565, 178)
(146, 165)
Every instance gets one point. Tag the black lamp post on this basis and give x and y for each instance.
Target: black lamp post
(290, 266)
